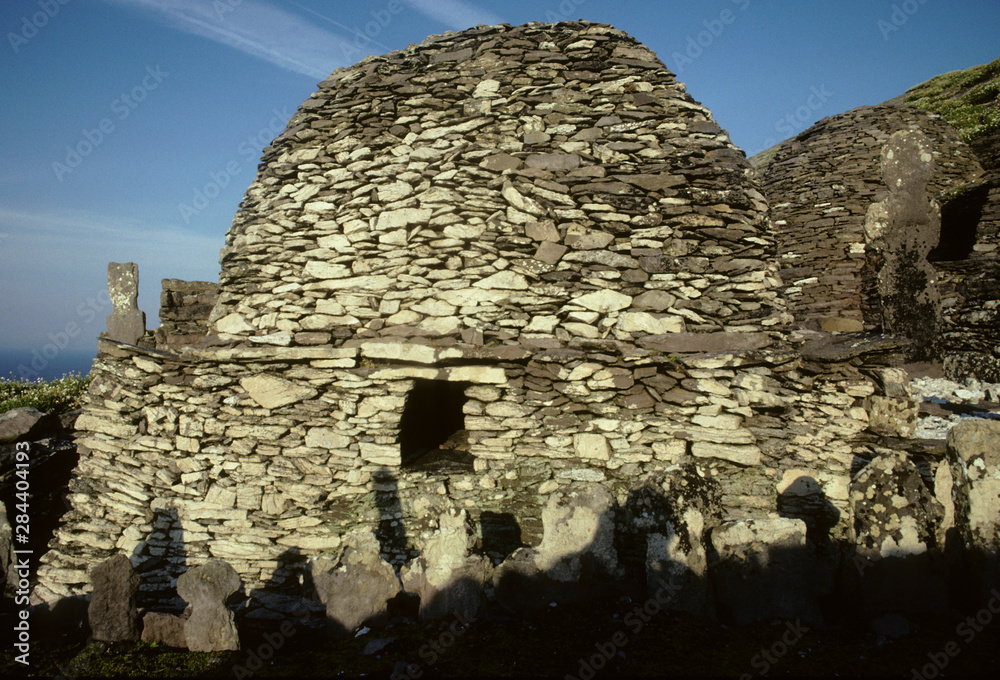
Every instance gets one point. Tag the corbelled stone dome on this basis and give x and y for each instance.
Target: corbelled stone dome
(502, 184)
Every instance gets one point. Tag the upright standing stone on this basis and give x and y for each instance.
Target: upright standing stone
(112, 612)
(765, 570)
(974, 454)
(126, 323)
(206, 588)
(897, 520)
(448, 579)
(672, 512)
(902, 230)
(357, 586)
(576, 559)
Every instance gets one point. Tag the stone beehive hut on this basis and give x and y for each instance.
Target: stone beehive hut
(822, 183)
(467, 274)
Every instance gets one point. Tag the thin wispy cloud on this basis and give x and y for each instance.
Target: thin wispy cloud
(455, 14)
(353, 31)
(261, 30)
(81, 235)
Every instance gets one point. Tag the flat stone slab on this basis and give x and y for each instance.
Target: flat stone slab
(679, 343)
(835, 348)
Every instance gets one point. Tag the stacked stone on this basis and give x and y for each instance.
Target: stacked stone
(820, 185)
(259, 455)
(970, 297)
(540, 215)
(501, 185)
(971, 288)
(184, 310)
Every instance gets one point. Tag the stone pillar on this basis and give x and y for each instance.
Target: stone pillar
(112, 611)
(126, 323)
(212, 626)
(900, 231)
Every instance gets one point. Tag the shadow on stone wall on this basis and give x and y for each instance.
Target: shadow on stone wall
(391, 531)
(161, 559)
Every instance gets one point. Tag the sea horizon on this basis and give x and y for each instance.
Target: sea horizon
(32, 364)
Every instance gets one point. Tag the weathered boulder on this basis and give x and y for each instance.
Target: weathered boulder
(167, 629)
(576, 558)
(357, 585)
(896, 520)
(670, 514)
(25, 424)
(447, 578)
(112, 612)
(974, 456)
(520, 586)
(211, 627)
(764, 571)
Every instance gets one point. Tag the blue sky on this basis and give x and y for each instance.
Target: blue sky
(130, 129)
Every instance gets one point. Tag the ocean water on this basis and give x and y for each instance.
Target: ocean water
(32, 363)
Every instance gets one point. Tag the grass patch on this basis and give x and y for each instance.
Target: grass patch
(967, 99)
(55, 396)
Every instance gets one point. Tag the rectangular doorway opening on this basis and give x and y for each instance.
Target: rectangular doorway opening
(432, 435)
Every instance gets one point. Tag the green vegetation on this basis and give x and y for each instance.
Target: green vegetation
(967, 99)
(58, 396)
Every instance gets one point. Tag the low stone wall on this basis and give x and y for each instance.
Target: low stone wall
(184, 310)
(209, 453)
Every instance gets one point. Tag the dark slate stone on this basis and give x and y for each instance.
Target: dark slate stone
(211, 627)
(112, 612)
(25, 424)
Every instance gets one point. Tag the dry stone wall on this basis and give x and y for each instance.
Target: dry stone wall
(266, 456)
(184, 310)
(502, 185)
(820, 185)
(537, 223)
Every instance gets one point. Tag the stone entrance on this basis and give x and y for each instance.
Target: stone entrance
(433, 423)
